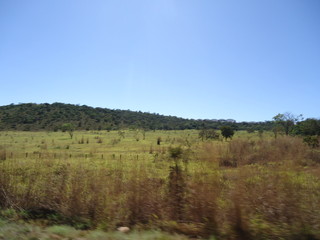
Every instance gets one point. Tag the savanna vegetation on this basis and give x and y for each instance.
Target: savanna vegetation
(196, 183)
(75, 168)
(51, 117)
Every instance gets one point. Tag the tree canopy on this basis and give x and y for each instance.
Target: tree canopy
(287, 121)
(51, 117)
(227, 132)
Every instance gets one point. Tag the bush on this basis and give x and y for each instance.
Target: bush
(175, 152)
(208, 134)
(227, 132)
(311, 141)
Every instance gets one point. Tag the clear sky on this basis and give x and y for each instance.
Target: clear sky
(205, 59)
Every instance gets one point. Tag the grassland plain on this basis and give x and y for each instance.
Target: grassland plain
(254, 186)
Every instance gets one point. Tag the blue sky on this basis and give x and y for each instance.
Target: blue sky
(205, 59)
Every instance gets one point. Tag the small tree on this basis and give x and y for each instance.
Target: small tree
(227, 132)
(208, 134)
(175, 152)
(276, 130)
(177, 184)
(68, 127)
(286, 121)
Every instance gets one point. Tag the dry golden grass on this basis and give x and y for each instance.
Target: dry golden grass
(247, 188)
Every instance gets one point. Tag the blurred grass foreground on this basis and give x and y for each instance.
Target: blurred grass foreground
(160, 184)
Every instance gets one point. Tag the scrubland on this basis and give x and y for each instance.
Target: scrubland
(254, 186)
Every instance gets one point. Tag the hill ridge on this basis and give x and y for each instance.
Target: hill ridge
(45, 116)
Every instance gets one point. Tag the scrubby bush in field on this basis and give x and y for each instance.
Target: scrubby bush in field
(227, 132)
(311, 141)
(206, 134)
(68, 127)
(175, 152)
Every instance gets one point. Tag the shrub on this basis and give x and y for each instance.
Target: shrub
(208, 134)
(175, 152)
(311, 141)
(227, 132)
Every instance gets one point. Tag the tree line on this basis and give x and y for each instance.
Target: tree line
(54, 117)
(290, 124)
(51, 117)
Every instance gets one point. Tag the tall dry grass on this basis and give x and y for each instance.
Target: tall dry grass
(240, 152)
(241, 189)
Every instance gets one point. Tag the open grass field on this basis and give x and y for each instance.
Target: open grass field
(251, 187)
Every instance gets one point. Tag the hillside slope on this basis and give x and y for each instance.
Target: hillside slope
(32, 117)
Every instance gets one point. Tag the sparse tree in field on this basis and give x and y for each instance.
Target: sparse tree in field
(227, 132)
(208, 134)
(68, 127)
(276, 130)
(202, 134)
(175, 152)
(286, 121)
(177, 184)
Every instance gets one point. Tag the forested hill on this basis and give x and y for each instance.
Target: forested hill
(30, 117)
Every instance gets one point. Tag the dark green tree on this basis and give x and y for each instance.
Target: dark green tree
(227, 132)
(308, 127)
